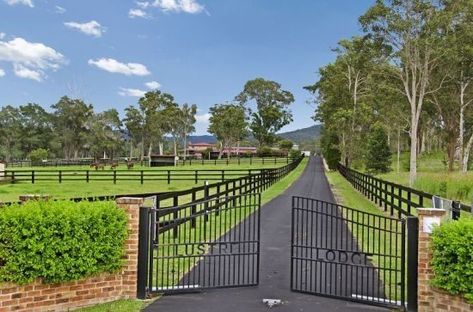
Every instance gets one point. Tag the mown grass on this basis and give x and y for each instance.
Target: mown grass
(80, 188)
(116, 306)
(371, 240)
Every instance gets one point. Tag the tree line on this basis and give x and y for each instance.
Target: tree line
(156, 124)
(410, 73)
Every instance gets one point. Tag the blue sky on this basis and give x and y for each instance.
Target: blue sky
(201, 51)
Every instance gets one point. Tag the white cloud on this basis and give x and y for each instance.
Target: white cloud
(2, 72)
(92, 28)
(114, 66)
(204, 118)
(23, 72)
(60, 10)
(30, 59)
(153, 85)
(2, 35)
(186, 6)
(22, 2)
(131, 92)
(143, 4)
(137, 13)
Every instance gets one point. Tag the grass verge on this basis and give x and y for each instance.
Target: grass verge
(385, 245)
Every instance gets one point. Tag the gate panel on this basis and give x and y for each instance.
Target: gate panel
(207, 244)
(345, 253)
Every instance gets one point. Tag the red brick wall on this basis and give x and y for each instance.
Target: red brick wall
(429, 298)
(86, 292)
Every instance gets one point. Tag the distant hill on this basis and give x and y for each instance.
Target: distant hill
(297, 136)
(202, 139)
(302, 135)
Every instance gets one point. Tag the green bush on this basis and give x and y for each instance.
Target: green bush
(38, 155)
(378, 155)
(452, 261)
(60, 241)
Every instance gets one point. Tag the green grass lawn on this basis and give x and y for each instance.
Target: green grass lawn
(80, 188)
(369, 239)
(434, 178)
(224, 224)
(117, 306)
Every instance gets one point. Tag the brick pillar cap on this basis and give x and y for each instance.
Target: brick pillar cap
(130, 200)
(431, 212)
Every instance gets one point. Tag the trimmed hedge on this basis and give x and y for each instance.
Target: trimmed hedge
(59, 241)
(452, 261)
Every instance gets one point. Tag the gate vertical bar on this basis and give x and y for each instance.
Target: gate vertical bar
(143, 250)
(412, 262)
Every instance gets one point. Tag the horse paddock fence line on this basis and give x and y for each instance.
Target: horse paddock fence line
(141, 176)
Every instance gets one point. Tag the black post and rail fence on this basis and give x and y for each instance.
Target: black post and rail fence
(394, 198)
(194, 203)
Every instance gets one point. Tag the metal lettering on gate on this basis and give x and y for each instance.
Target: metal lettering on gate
(205, 244)
(345, 253)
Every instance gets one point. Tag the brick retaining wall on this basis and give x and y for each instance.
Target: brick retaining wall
(431, 299)
(90, 291)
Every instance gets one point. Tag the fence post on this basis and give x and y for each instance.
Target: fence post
(87, 176)
(169, 176)
(142, 177)
(206, 198)
(196, 176)
(193, 209)
(175, 204)
(456, 208)
(32, 177)
(412, 224)
(143, 253)
(60, 176)
(114, 177)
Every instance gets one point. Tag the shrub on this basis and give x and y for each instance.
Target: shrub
(60, 241)
(452, 261)
(378, 156)
(330, 150)
(294, 154)
(38, 155)
(265, 151)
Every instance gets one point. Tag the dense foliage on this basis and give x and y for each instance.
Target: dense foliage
(60, 241)
(412, 71)
(452, 261)
(330, 149)
(378, 155)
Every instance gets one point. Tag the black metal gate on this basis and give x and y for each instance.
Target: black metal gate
(349, 254)
(200, 245)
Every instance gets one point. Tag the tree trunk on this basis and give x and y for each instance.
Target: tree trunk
(142, 151)
(174, 142)
(466, 155)
(161, 148)
(398, 150)
(413, 156)
(220, 153)
(185, 146)
(131, 150)
(461, 132)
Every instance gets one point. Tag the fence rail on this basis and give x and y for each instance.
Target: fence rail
(251, 183)
(60, 176)
(391, 196)
(182, 162)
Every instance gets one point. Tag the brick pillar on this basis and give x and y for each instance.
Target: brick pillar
(427, 217)
(131, 206)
